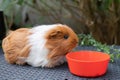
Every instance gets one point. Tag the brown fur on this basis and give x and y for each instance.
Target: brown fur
(15, 46)
(57, 44)
(60, 41)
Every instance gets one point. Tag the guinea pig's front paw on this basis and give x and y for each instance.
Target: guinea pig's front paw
(21, 61)
(51, 65)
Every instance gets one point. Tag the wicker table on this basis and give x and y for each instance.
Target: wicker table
(16, 72)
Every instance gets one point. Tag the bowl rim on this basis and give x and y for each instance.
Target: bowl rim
(106, 59)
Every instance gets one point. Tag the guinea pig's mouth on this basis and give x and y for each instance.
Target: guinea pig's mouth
(68, 52)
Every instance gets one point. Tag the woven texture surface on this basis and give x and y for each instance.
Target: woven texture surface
(16, 72)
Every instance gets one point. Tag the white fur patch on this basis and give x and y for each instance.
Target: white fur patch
(38, 51)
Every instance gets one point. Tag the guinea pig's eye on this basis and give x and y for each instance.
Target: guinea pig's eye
(66, 36)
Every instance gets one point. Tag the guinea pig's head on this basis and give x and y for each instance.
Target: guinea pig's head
(60, 40)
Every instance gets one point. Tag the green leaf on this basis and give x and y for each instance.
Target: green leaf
(20, 2)
(105, 4)
(112, 57)
(118, 55)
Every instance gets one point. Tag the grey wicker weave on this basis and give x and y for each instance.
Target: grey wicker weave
(16, 72)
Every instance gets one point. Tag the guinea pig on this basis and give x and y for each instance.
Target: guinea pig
(40, 46)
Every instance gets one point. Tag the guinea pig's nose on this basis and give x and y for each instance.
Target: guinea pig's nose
(75, 41)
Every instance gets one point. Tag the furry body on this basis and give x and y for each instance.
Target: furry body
(44, 45)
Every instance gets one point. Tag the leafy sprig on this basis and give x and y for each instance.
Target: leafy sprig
(88, 40)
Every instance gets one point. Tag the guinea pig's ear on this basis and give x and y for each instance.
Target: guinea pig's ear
(54, 34)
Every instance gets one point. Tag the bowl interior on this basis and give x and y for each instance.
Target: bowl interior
(88, 56)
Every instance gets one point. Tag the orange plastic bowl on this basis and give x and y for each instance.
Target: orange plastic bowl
(88, 63)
